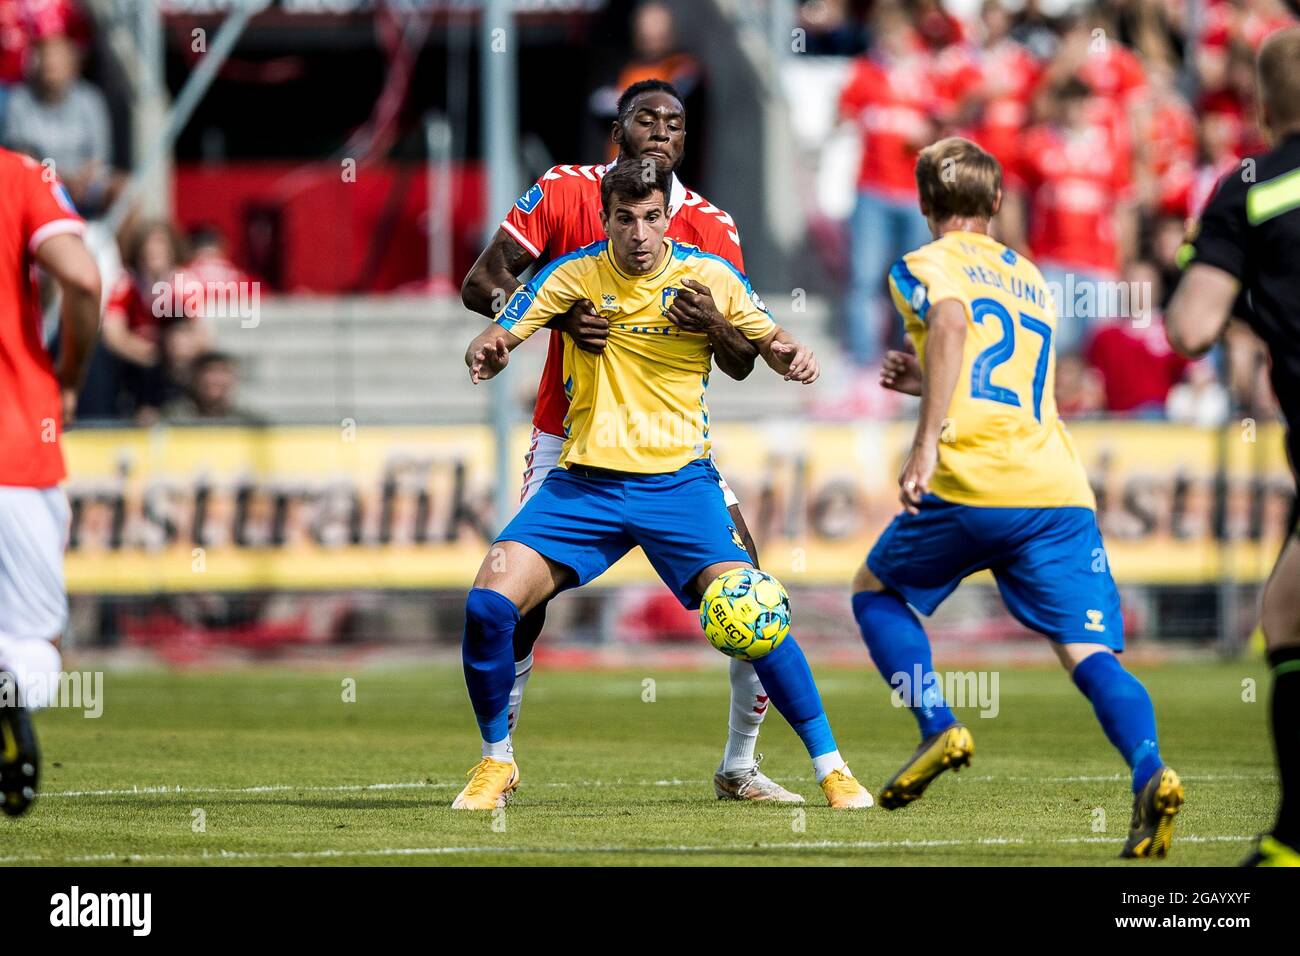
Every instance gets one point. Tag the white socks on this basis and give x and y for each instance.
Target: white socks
(35, 664)
(823, 765)
(748, 708)
(523, 670)
(502, 750)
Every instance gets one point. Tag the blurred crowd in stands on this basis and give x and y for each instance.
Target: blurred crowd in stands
(1113, 124)
(156, 358)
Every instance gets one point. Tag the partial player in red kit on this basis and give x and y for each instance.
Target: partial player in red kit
(560, 213)
(38, 227)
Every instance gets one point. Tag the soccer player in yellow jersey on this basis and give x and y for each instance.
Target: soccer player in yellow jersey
(993, 482)
(634, 469)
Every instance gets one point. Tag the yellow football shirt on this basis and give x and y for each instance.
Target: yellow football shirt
(1003, 444)
(639, 405)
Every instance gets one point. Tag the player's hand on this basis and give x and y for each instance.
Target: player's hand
(693, 308)
(69, 396)
(901, 372)
(914, 481)
(582, 323)
(801, 363)
(488, 361)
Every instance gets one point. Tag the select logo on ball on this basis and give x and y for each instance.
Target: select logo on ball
(745, 613)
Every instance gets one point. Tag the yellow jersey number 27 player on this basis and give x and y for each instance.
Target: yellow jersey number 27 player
(993, 482)
(634, 469)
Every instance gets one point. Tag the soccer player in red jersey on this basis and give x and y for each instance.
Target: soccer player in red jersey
(38, 227)
(560, 213)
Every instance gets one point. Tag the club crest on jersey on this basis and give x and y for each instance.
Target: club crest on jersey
(529, 200)
(666, 303)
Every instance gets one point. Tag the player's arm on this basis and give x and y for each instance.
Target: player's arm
(1200, 309)
(945, 344)
(694, 310)
(496, 273)
(788, 357)
(901, 372)
(67, 260)
(529, 308)
(489, 353)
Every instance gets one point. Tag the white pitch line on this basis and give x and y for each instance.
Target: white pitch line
(219, 856)
(158, 790)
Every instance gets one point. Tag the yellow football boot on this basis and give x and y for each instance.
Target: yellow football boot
(843, 792)
(491, 782)
(1154, 809)
(951, 747)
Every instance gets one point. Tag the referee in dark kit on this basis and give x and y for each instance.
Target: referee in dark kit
(1246, 262)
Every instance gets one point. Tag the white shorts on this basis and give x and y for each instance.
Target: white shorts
(544, 454)
(33, 533)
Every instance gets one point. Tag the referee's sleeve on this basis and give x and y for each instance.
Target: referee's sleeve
(1221, 236)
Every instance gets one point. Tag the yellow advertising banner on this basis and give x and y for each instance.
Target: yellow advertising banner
(188, 509)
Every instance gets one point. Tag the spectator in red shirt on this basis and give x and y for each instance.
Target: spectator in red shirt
(1072, 181)
(892, 98)
(143, 301)
(1137, 366)
(1009, 75)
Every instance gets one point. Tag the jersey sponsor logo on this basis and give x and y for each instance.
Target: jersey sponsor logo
(1094, 622)
(529, 200)
(608, 300)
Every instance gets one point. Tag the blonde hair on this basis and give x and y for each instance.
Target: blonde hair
(956, 178)
(1279, 77)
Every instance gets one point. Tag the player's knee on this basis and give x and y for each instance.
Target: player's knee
(1071, 655)
(864, 580)
(486, 611)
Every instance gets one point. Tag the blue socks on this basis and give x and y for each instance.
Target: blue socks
(788, 680)
(1124, 709)
(487, 651)
(898, 645)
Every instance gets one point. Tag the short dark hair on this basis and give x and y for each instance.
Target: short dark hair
(646, 86)
(631, 179)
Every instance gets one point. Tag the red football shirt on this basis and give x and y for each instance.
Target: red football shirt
(1009, 75)
(561, 212)
(893, 105)
(31, 418)
(1074, 182)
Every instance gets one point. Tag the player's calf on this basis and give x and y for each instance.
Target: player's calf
(745, 613)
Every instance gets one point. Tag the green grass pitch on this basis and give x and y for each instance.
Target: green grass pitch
(270, 766)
